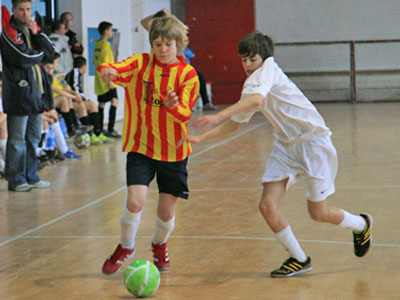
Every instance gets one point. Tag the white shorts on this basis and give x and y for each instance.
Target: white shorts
(315, 158)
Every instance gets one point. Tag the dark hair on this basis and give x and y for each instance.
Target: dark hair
(16, 2)
(56, 26)
(103, 26)
(256, 43)
(79, 62)
(159, 14)
(63, 15)
(51, 60)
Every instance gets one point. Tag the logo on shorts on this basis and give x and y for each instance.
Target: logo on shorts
(323, 191)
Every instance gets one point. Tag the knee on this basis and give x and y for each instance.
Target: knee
(166, 215)
(134, 206)
(267, 209)
(317, 215)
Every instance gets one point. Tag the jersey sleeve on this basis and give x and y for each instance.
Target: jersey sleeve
(188, 94)
(126, 69)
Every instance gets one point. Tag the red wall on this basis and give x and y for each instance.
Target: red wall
(215, 30)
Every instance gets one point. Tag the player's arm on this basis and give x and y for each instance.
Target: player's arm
(63, 92)
(225, 128)
(121, 73)
(249, 104)
(146, 22)
(180, 104)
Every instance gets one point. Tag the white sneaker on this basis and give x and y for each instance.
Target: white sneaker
(40, 184)
(2, 165)
(23, 187)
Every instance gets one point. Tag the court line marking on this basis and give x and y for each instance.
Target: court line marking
(204, 238)
(388, 187)
(76, 210)
(72, 212)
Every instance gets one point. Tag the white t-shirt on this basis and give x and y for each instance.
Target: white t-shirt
(1, 105)
(293, 117)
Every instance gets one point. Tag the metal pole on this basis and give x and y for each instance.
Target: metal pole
(353, 73)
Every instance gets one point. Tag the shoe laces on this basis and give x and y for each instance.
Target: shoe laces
(119, 255)
(160, 251)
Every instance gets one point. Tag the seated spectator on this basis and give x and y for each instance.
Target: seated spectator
(74, 79)
(64, 100)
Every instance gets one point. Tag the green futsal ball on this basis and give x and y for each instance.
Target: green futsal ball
(141, 278)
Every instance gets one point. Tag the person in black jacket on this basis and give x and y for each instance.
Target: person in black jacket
(26, 94)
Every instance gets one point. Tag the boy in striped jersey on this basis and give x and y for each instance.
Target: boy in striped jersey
(160, 91)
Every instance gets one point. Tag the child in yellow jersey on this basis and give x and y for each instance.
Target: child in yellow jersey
(160, 91)
(105, 91)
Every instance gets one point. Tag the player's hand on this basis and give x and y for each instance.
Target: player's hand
(207, 121)
(111, 85)
(32, 26)
(108, 74)
(189, 138)
(171, 100)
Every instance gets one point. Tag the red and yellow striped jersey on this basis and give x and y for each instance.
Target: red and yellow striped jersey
(150, 128)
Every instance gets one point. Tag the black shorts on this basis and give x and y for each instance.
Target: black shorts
(112, 93)
(171, 176)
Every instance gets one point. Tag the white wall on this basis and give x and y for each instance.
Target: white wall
(321, 20)
(134, 39)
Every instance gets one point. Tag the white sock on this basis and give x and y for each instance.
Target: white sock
(3, 146)
(60, 140)
(357, 223)
(163, 230)
(129, 225)
(290, 243)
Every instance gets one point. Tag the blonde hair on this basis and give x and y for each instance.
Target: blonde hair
(169, 28)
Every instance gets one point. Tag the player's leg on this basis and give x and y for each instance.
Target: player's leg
(298, 262)
(172, 184)
(320, 183)
(93, 111)
(139, 175)
(130, 221)
(101, 113)
(361, 224)
(111, 132)
(165, 224)
(63, 103)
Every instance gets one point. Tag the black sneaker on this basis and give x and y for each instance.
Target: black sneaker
(82, 129)
(113, 134)
(209, 106)
(363, 239)
(292, 267)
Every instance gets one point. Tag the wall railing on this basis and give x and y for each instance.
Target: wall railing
(351, 43)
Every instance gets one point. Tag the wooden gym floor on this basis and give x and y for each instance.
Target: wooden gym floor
(53, 242)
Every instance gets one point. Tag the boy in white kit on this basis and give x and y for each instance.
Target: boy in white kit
(302, 147)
